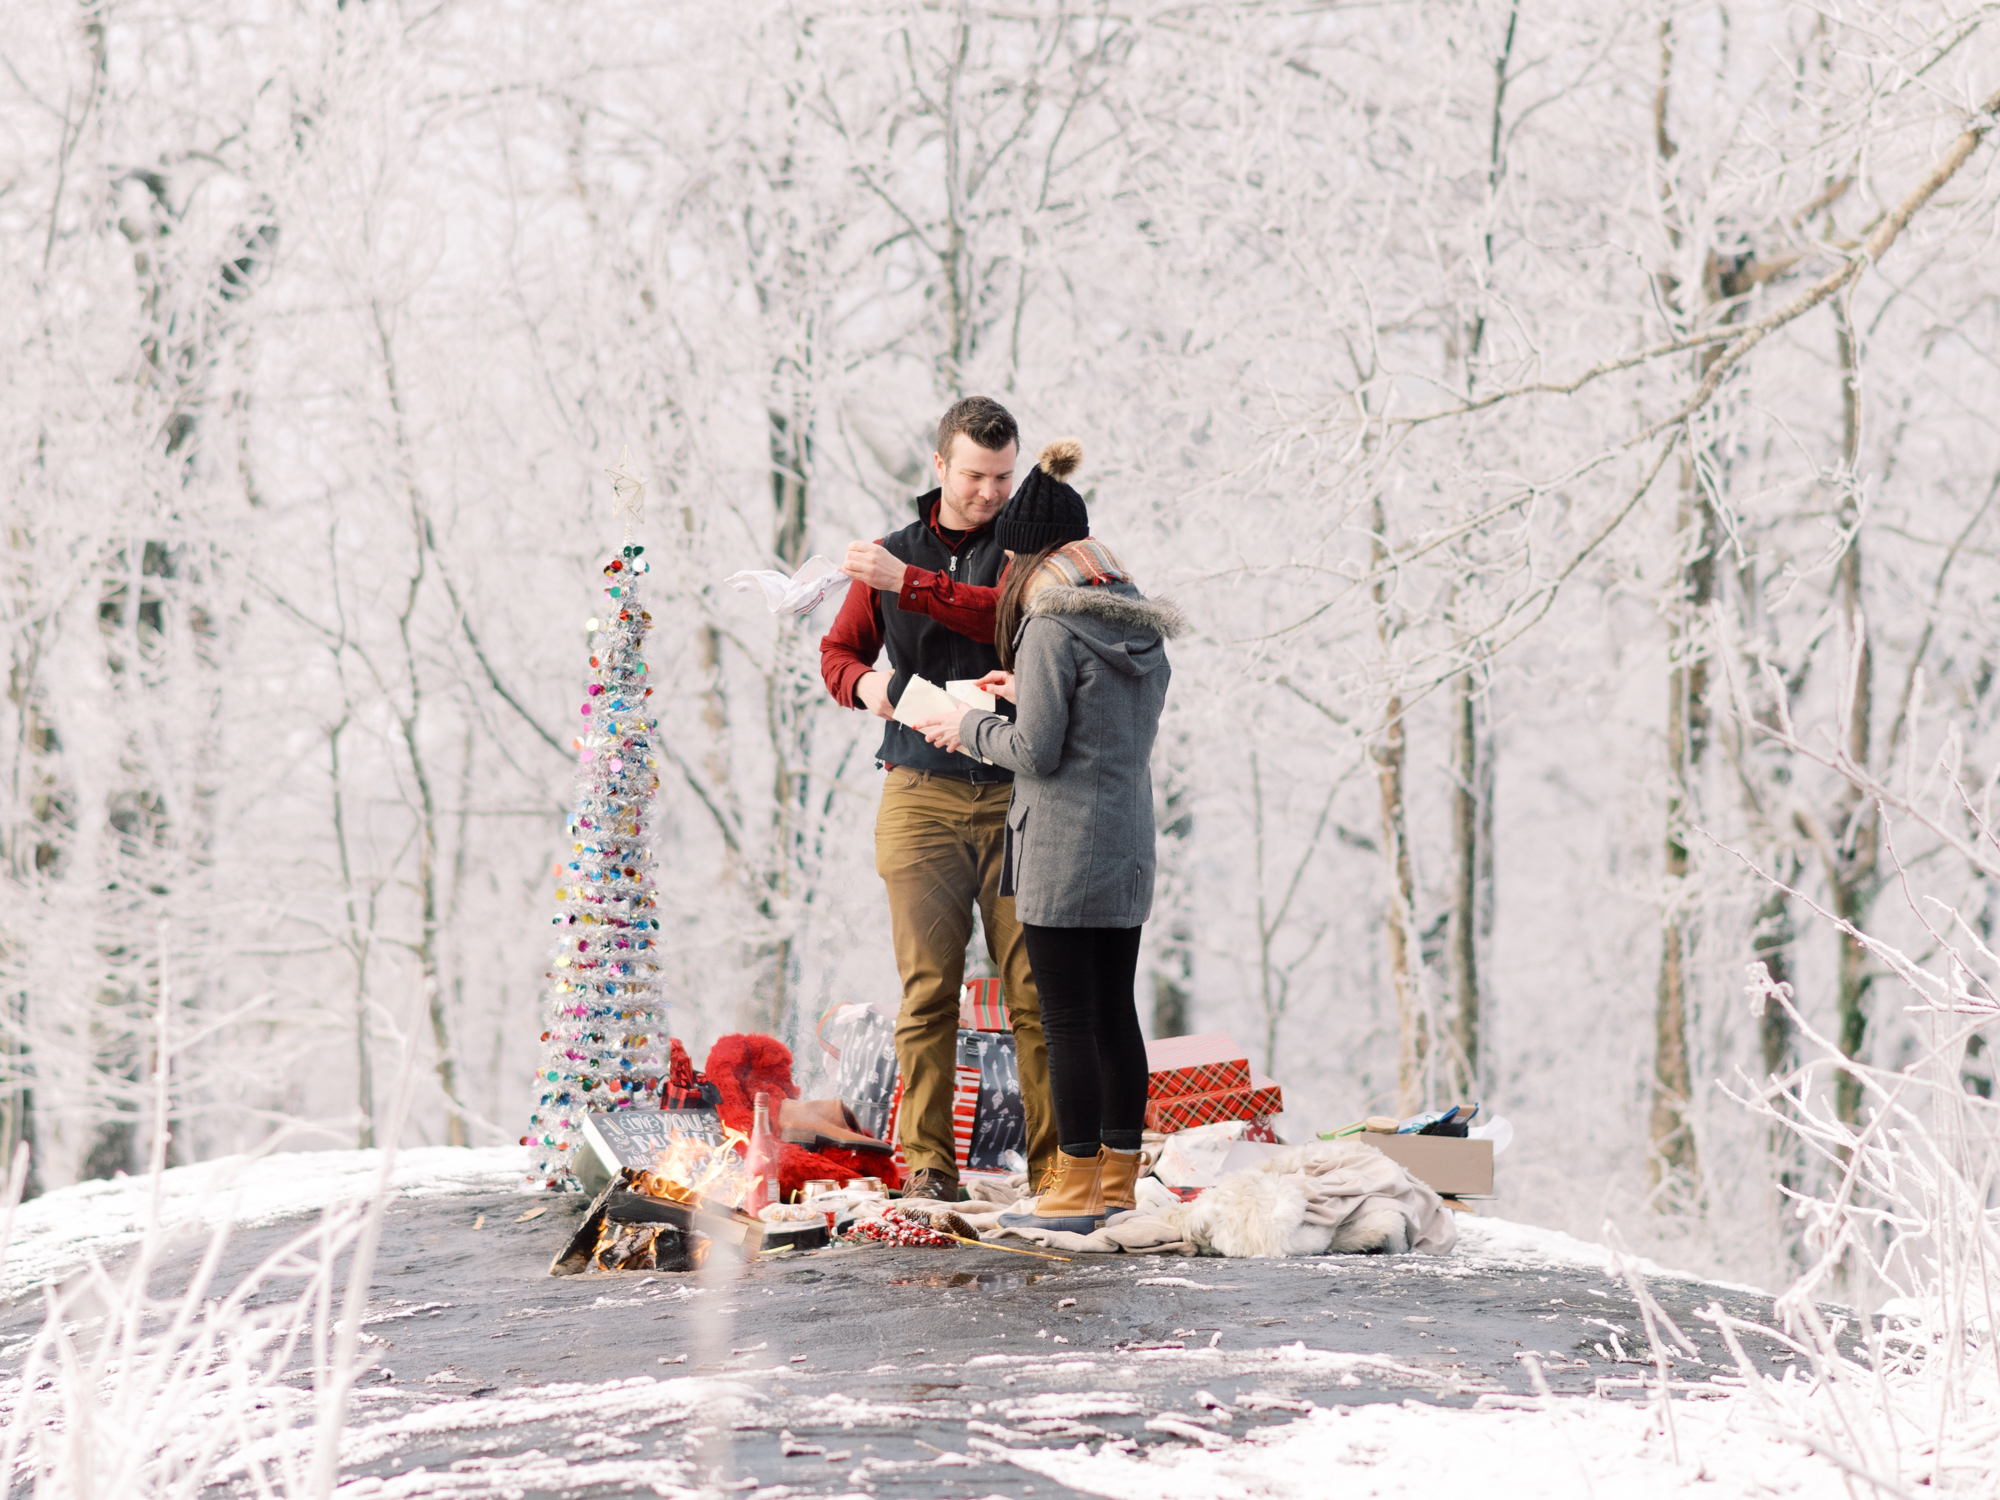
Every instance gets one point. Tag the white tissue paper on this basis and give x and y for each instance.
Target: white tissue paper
(1499, 1130)
(1193, 1158)
(798, 595)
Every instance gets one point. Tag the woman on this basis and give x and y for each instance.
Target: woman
(1085, 663)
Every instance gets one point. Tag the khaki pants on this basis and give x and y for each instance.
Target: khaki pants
(938, 843)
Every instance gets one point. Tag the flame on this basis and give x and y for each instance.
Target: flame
(690, 1170)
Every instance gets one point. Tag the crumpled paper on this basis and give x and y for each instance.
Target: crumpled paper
(799, 594)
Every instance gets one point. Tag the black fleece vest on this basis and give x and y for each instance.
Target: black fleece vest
(922, 647)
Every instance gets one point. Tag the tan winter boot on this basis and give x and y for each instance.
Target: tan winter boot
(1121, 1179)
(1073, 1203)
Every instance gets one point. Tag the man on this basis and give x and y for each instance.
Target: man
(930, 597)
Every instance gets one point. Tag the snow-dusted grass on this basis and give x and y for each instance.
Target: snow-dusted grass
(57, 1234)
(122, 1393)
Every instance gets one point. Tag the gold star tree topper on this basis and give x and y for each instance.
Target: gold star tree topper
(628, 492)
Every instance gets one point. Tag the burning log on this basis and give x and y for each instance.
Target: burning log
(646, 1247)
(629, 1228)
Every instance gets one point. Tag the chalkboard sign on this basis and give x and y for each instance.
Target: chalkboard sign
(634, 1137)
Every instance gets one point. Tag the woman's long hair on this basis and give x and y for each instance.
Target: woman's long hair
(1013, 592)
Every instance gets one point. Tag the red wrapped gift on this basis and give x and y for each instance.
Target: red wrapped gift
(981, 1007)
(1185, 1111)
(1206, 1064)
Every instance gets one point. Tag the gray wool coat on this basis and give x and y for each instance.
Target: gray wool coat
(1090, 678)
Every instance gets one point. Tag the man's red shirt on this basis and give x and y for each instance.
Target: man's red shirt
(851, 645)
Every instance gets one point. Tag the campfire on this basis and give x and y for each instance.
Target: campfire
(674, 1182)
(670, 1214)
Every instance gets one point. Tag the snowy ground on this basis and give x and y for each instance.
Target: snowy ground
(951, 1373)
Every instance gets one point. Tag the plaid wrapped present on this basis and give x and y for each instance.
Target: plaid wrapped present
(1210, 1063)
(981, 1007)
(1184, 1111)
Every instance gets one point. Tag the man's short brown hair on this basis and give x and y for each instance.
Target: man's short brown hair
(981, 418)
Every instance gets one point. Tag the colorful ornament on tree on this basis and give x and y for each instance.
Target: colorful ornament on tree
(605, 1018)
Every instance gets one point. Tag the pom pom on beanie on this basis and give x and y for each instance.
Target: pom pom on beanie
(1045, 510)
(1060, 458)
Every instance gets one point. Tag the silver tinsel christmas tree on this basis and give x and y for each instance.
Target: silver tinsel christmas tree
(604, 1023)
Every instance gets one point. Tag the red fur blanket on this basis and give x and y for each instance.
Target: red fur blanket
(743, 1066)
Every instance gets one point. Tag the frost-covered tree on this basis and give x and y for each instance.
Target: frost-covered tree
(1536, 408)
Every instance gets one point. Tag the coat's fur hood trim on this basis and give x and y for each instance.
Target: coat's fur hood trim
(1133, 611)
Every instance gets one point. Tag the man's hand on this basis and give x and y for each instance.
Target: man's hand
(942, 731)
(874, 565)
(872, 693)
(1000, 684)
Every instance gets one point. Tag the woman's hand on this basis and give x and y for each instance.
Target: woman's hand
(999, 684)
(942, 731)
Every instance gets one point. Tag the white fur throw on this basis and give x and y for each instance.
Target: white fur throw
(1326, 1196)
(1339, 1197)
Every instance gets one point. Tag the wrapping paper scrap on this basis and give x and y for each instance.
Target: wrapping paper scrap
(799, 594)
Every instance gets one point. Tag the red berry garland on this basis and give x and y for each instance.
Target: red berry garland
(893, 1229)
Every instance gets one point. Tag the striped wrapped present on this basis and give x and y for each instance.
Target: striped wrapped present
(964, 1109)
(981, 1007)
(1206, 1064)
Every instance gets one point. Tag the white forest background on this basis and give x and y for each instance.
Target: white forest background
(322, 323)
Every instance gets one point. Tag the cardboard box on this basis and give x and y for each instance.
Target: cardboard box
(1209, 1063)
(1451, 1166)
(1184, 1111)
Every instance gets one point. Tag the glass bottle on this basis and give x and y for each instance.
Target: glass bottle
(762, 1160)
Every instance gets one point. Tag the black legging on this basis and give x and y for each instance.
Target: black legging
(1097, 1056)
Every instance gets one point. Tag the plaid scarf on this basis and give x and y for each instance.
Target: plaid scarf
(1079, 565)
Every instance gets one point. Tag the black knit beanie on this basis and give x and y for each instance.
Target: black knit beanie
(1044, 509)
